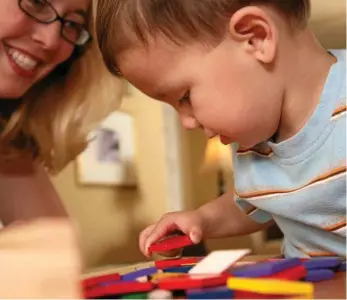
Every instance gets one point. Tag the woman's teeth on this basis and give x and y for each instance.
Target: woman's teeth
(22, 60)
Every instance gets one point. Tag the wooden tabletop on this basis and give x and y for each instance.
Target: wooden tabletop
(331, 289)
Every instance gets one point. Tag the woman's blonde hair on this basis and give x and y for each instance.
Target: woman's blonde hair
(57, 114)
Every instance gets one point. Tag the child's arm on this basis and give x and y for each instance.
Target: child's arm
(26, 192)
(224, 218)
(218, 218)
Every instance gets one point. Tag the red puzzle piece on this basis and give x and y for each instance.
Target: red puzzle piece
(186, 282)
(95, 280)
(171, 263)
(118, 289)
(295, 273)
(175, 242)
(251, 295)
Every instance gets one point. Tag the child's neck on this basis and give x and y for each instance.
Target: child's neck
(305, 67)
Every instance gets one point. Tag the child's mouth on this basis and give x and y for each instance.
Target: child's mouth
(225, 140)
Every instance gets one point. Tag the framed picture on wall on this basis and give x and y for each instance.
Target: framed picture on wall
(110, 156)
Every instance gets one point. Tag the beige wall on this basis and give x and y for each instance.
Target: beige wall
(111, 218)
(329, 22)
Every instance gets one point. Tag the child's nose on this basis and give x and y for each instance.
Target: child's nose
(189, 122)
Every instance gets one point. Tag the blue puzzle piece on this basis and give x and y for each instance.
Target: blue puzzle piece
(182, 269)
(139, 273)
(342, 267)
(316, 275)
(210, 293)
(267, 268)
(322, 263)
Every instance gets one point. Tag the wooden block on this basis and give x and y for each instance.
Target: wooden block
(218, 261)
(271, 286)
(266, 268)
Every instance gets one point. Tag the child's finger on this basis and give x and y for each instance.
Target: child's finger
(143, 237)
(195, 235)
(161, 229)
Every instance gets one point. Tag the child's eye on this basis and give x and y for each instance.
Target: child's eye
(185, 98)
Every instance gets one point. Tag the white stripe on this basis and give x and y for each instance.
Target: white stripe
(253, 212)
(341, 231)
(335, 177)
(341, 114)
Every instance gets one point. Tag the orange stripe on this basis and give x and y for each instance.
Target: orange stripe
(244, 151)
(320, 253)
(250, 210)
(336, 226)
(316, 253)
(332, 173)
(339, 110)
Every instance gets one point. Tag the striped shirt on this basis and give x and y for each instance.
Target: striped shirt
(300, 183)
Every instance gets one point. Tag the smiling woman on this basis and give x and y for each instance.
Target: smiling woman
(53, 89)
(51, 74)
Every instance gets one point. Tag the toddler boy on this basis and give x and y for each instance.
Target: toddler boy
(252, 73)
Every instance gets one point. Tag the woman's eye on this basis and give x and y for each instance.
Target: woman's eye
(37, 4)
(73, 25)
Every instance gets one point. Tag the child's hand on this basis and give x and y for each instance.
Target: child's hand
(39, 259)
(189, 222)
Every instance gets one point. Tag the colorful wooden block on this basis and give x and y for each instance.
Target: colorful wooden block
(182, 269)
(210, 293)
(342, 267)
(316, 275)
(218, 262)
(266, 268)
(322, 263)
(160, 295)
(271, 286)
(192, 282)
(252, 295)
(172, 263)
(135, 296)
(119, 288)
(160, 276)
(296, 273)
(100, 279)
(139, 273)
(171, 243)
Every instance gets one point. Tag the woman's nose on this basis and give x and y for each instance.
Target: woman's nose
(48, 35)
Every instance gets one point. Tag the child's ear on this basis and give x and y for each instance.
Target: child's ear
(255, 28)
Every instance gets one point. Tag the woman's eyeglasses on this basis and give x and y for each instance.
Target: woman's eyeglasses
(43, 12)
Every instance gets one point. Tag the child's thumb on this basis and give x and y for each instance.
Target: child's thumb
(195, 235)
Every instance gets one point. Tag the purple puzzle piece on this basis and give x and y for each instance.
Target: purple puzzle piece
(139, 273)
(210, 293)
(266, 269)
(322, 263)
(319, 275)
(342, 267)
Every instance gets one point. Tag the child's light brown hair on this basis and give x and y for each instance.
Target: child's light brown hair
(123, 23)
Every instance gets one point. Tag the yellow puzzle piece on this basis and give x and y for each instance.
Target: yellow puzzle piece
(158, 276)
(271, 286)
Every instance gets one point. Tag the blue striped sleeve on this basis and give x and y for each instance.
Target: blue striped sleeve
(256, 214)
